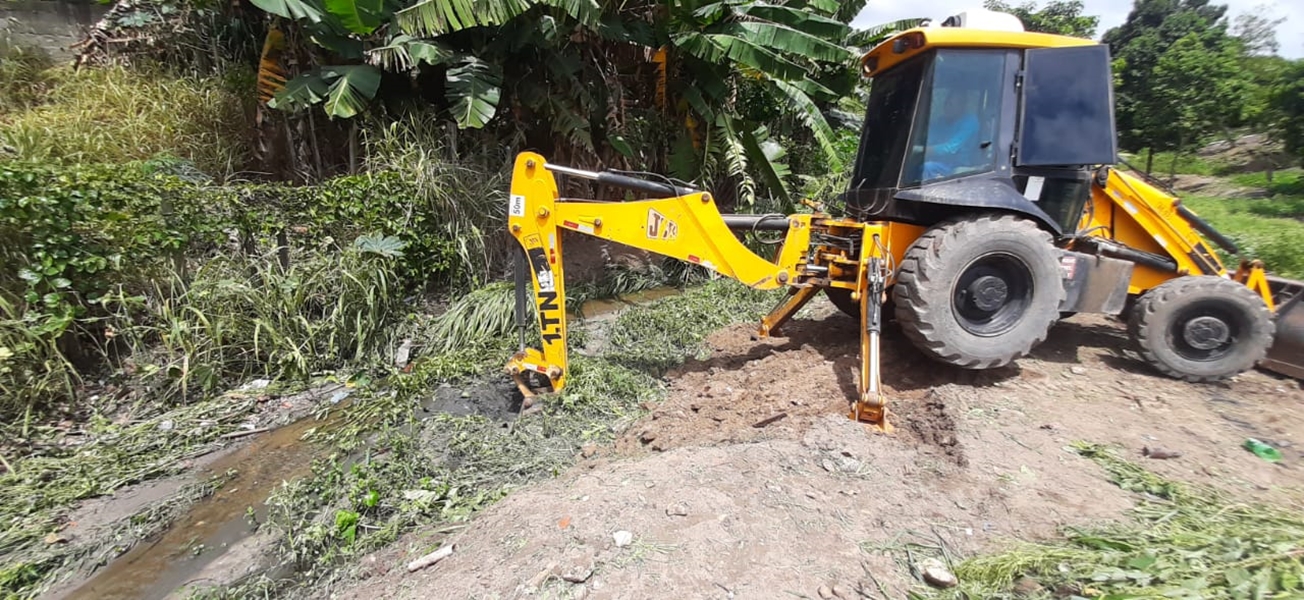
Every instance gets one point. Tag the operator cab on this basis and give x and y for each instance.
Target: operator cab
(993, 117)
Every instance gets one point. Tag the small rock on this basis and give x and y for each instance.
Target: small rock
(647, 437)
(1026, 586)
(578, 571)
(1078, 370)
(1050, 426)
(826, 592)
(937, 575)
(55, 538)
(1159, 453)
(166, 425)
(843, 592)
(588, 450)
(828, 465)
(849, 465)
(622, 538)
(678, 509)
(695, 407)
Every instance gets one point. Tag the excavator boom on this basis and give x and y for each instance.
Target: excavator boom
(817, 252)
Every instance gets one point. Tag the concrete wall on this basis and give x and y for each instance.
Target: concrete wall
(51, 24)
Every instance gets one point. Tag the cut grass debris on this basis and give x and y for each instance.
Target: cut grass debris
(41, 489)
(1185, 541)
(421, 473)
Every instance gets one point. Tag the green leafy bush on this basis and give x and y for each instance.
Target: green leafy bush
(229, 280)
(69, 235)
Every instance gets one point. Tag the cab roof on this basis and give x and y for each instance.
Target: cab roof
(918, 40)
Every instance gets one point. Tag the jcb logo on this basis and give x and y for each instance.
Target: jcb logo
(659, 227)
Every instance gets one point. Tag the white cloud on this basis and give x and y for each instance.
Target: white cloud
(1290, 34)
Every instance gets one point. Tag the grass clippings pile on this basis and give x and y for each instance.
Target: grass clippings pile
(39, 491)
(1184, 542)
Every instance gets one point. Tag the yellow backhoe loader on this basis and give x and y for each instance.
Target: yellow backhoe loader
(983, 203)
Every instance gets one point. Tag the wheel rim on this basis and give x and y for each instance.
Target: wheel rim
(1204, 331)
(992, 294)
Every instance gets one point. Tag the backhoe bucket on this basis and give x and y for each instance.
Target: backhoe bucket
(1287, 353)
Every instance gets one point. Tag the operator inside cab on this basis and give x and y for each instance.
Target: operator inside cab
(955, 133)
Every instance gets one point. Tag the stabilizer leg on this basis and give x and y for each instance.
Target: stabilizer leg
(782, 313)
(871, 407)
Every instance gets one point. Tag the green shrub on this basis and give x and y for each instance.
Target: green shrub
(69, 235)
(230, 281)
(389, 203)
(118, 115)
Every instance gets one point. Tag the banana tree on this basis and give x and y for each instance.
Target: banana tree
(369, 36)
(784, 48)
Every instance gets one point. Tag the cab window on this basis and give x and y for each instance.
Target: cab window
(958, 117)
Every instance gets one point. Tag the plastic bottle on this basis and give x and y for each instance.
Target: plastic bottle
(1262, 450)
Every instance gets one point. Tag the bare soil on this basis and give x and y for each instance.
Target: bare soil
(748, 481)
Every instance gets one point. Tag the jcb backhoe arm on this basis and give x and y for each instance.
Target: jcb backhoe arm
(686, 225)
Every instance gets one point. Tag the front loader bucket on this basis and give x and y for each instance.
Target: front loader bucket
(1287, 353)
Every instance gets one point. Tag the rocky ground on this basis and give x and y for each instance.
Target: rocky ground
(749, 482)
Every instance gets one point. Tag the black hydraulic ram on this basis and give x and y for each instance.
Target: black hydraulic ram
(1204, 227)
(1115, 250)
(656, 188)
(756, 222)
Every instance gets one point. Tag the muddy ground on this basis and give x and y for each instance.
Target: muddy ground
(719, 505)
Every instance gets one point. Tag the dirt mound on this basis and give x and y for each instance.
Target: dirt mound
(834, 508)
(722, 497)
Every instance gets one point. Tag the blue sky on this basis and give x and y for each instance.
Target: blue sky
(1290, 34)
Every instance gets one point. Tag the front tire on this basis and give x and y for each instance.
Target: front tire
(981, 292)
(1201, 328)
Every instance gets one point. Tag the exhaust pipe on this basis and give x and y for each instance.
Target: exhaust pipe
(1287, 353)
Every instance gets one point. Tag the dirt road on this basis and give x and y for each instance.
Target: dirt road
(748, 482)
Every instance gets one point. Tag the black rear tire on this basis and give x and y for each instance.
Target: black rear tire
(841, 298)
(1201, 328)
(981, 292)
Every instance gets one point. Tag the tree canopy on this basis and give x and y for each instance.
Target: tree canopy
(1169, 55)
(1063, 17)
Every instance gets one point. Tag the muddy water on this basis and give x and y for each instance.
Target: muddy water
(596, 308)
(154, 569)
(188, 550)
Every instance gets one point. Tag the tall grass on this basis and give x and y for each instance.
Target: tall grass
(246, 317)
(24, 76)
(465, 196)
(116, 114)
(32, 366)
(1274, 240)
